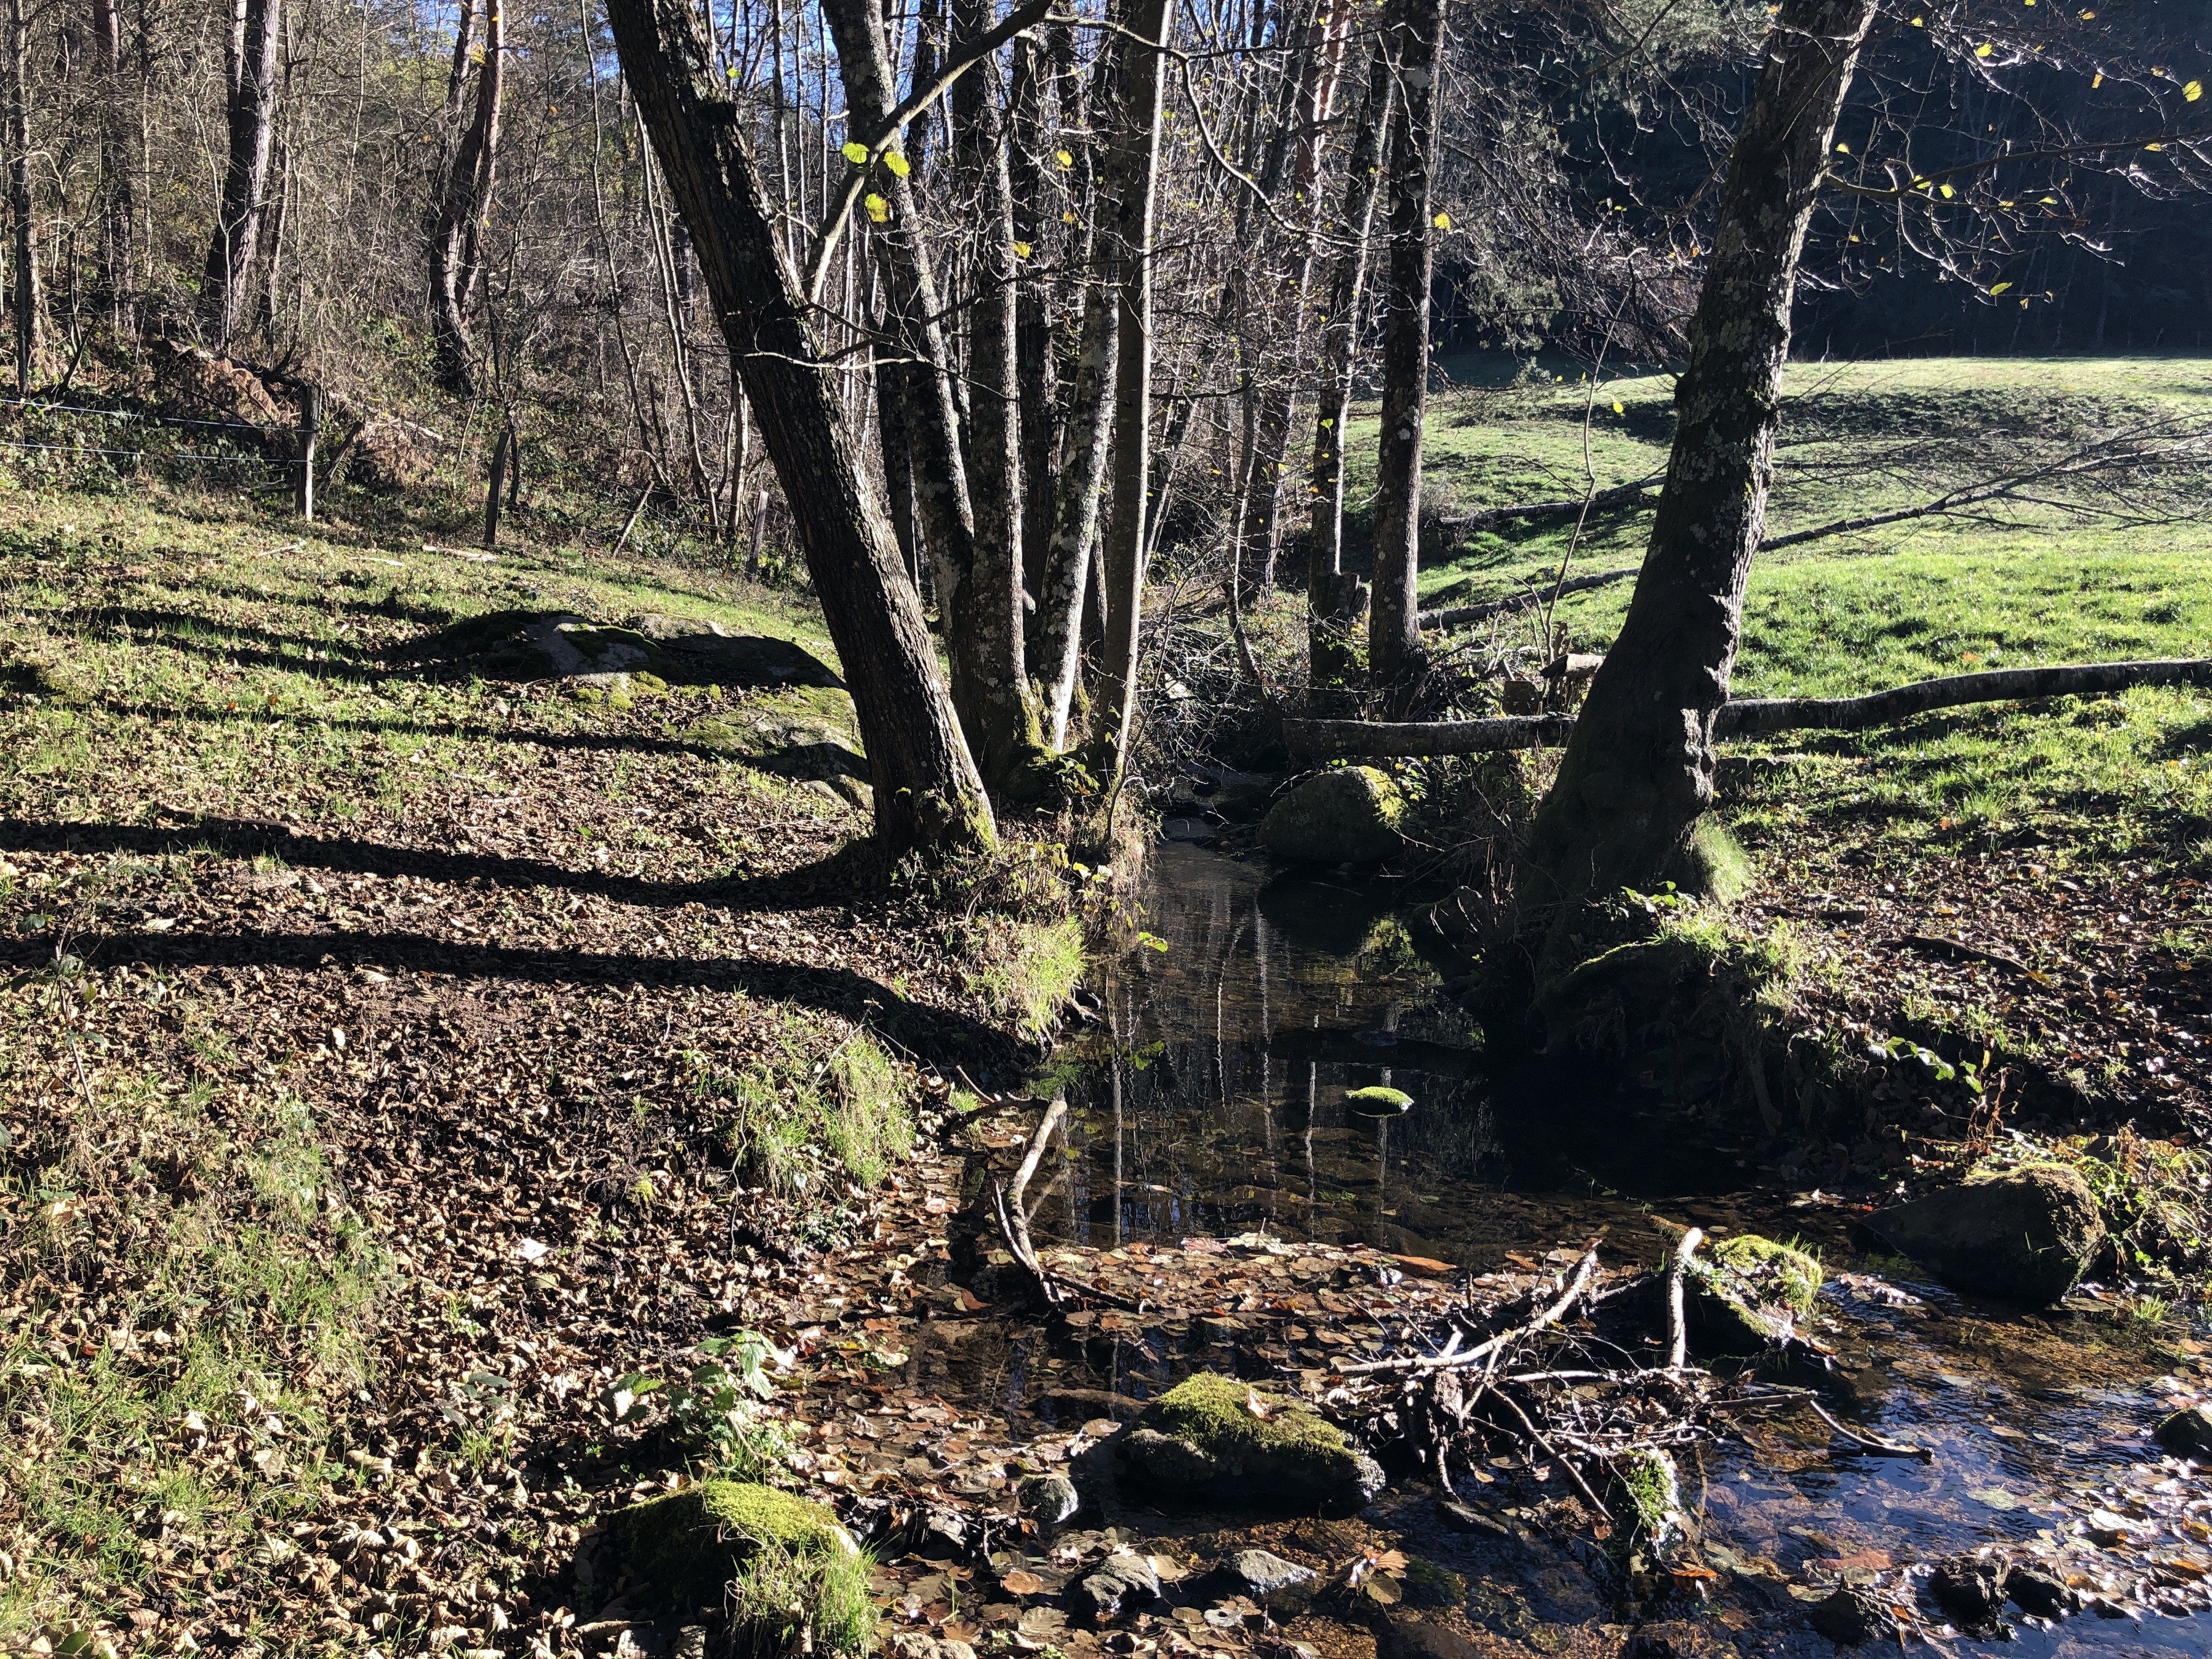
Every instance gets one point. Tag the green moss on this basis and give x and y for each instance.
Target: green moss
(1025, 970)
(690, 1544)
(1648, 1500)
(1778, 1274)
(868, 1125)
(1214, 1414)
(1378, 1102)
(1713, 865)
(1428, 1585)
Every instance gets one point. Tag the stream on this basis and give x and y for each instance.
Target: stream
(1211, 1102)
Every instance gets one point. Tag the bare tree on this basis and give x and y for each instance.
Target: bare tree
(1637, 774)
(456, 259)
(250, 74)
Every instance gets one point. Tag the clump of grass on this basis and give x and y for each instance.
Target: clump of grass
(785, 1601)
(802, 1117)
(1025, 971)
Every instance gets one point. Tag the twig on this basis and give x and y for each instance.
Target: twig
(1867, 1443)
(1584, 1271)
(1054, 1115)
(1678, 1330)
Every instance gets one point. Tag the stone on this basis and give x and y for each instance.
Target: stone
(2025, 1236)
(1971, 1587)
(1421, 1638)
(1267, 1577)
(1122, 1583)
(1855, 1615)
(799, 732)
(1050, 1500)
(2039, 1594)
(1430, 1585)
(1745, 1294)
(1347, 815)
(706, 651)
(689, 1543)
(1203, 1440)
(1378, 1102)
(2188, 1433)
(541, 647)
(1776, 1274)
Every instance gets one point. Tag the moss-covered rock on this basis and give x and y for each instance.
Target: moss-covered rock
(1647, 1499)
(1202, 1441)
(2026, 1235)
(1378, 1102)
(798, 731)
(688, 1546)
(1777, 1274)
(706, 652)
(1350, 815)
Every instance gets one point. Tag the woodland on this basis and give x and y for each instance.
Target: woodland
(1317, 829)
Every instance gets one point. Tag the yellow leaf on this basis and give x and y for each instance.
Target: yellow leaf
(1442, 222)
(855, 152)
(1021, 250)
(2193, 91)
(1064, 158)
(1919, 22)
(898, 164)
(1949, 192)
(1984, 49)
(2098, 81)
(1999, 289)
(1617, 408)
(2153, 146)
(2051, 201)
(1067, 218)
(1843, 149)
(878, 210)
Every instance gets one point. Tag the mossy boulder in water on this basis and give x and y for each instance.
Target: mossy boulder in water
(1745, 1295)
(1204, 1442)
(692, 1543)
(1378, 1102)
(2026, 1235)
(1348, 816)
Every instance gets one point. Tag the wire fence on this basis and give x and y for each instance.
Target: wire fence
(299, 465)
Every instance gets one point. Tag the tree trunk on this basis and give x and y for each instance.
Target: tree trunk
(1005, 740)
(456, 270)
(891, 394)
(118, 209)
(927, 794)
(1033, 322)
(24, 298)
(1638, 771)
(1334, 602)
(1125, 241)
(1415, 38)
(251, 67)
(940, 473)
(1075, 512)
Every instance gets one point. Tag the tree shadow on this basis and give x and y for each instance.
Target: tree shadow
(855, 876)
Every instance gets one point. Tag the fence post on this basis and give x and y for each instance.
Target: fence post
(501, 452)
(311, 418)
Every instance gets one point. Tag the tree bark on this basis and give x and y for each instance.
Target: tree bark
(456, 268)
(927, 794)
(250, 69)
(1033, 319)
(1075, 512)
(24, 299)
(891, 395)
(118, 203)
(942, 500)
(1415, 38)
(1334, 602)
(1004, 740)
(1638, 771)
(1125, 238)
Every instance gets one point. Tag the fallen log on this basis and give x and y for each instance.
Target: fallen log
(1458, 615)
(1752, 716)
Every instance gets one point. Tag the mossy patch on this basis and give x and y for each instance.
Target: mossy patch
(1203, 1438)
(1025, 970)
(689, 1545)
(1378, 1102)
(1781, 1274)
(1647, 1497)
(1428, 1585)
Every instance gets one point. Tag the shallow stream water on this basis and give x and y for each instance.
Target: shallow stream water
(1211, 1102)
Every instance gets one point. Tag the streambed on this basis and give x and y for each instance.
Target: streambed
(1210, 1103)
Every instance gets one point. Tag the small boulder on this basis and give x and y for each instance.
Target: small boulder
(1348, 815)
(1266, 1577)
(1971, 1587)
(2039, 1594)
(1125, 1581)
(709, 653)
(1203, 1440)
(800, 732)
(2188, 1433)
(2025, 1236)
(1378, 1102)
(1422, 1638)
(691, 1543)
(1855, 1615)
(1050, 1500)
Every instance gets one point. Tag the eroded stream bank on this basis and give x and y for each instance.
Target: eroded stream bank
(1212, 1158)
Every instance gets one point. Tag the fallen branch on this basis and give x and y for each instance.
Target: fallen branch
(1868, 1444)
(1678, 1329)
(1012, 1222)
(1585, 1270)
(1459, 616)
(1752, 716)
